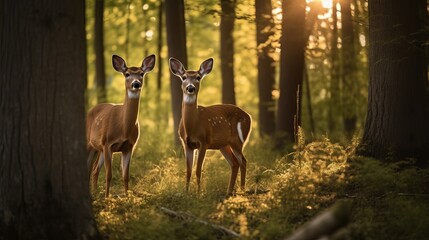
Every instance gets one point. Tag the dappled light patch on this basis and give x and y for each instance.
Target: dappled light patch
(311, 176)
(117, 210)
(240, 213)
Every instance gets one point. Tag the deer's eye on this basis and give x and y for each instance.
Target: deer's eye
(198, 78)
(184, 77)
(127, 74)
(141, 74)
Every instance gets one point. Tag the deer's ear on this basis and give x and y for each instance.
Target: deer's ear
(206, 67)
(176, 67)
(148, 63)
(119, 64)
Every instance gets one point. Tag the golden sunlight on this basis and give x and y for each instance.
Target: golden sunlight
(277, 10)
(325, 3)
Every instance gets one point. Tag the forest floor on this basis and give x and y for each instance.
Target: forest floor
(283, 192)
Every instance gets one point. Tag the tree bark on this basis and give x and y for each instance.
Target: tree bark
(176, 40)
(334, 100)
(227, 50)
(293, 44)
(100, 74)
(266, 66)
(128, 29)
(44, 191)
(397, 118)
(349, 91)
(159, 47)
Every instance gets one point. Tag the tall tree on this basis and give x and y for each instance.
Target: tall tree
(334, 89)
(227, 19)
(310, 22)
(44, 191)
(293, 42)
(397, 119)
(349, 90)
(100, 74)
(159, 45)
(176, 40)
(266, 66)
(128, 28)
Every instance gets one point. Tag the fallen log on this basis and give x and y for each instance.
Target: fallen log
(324, 224)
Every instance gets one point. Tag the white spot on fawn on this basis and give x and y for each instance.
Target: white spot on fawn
(240, 132)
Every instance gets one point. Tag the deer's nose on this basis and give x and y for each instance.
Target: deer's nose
(190, 88)
(136, 85)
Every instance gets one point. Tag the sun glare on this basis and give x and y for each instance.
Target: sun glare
(325, 3)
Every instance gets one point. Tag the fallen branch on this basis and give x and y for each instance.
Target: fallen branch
(187, 217)
(324, 224)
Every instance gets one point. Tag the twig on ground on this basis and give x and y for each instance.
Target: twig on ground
(187, 217)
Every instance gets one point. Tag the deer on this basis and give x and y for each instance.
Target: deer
(114, 127)
(223, 127)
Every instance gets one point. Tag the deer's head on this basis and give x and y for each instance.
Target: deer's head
(190, 78)
(133, 75)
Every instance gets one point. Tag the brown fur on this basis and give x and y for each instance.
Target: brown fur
(212, 127)
(114, 128)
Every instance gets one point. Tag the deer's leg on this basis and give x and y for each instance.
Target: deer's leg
(238, 153)
(126, 157)
(96, 167)
(200, 160)
(108, 167)
(233, 162)
(189, 155)
(93, 154)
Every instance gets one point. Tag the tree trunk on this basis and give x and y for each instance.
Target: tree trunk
(145, 42)
(227, 19)
(311, 20)
(334, 100)
(176, 40)
(349, 91)
(309, 102)
(397, 118)
(100, 75)
(293, 43)
(44, 191)
(266, 66)
(127, 29)
(160, 41)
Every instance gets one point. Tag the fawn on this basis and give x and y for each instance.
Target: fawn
(223, 126)
(114, 127)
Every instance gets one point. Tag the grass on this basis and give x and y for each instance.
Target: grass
(390, 201)
(285, 189)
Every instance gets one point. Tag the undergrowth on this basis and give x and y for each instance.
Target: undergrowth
(390, 201)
